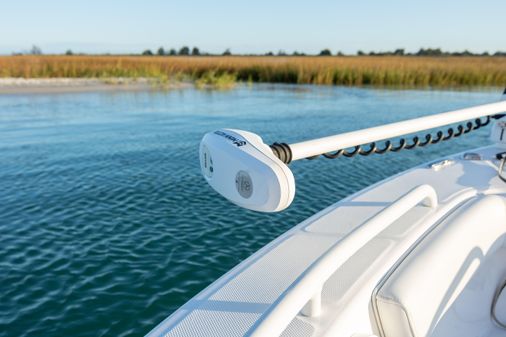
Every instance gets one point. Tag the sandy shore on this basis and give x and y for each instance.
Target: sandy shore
(11, 85)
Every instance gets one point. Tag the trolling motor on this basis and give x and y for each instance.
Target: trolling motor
(239, 166)
(251, 174)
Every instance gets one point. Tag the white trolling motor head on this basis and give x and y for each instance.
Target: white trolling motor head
(239, 166)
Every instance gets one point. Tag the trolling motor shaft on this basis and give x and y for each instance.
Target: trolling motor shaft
(311, 149)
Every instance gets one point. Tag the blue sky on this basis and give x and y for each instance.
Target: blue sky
(252, 26)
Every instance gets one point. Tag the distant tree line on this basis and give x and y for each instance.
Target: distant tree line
(185, 51)
(34, 50)
(430, 52)
(195, 51)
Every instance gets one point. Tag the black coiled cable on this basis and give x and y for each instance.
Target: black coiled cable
(428, 139)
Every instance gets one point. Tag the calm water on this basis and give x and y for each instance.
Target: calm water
(106, 225)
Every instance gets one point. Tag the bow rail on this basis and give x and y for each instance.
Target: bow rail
(305, 292)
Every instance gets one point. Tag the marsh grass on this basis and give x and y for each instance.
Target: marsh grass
(213, 80)
(223, 71)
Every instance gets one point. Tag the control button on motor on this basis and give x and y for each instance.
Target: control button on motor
(244, 184)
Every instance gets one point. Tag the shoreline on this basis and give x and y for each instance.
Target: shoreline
(62, 85)
(14, 85)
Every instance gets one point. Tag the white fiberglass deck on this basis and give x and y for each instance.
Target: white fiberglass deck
(236, 303)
